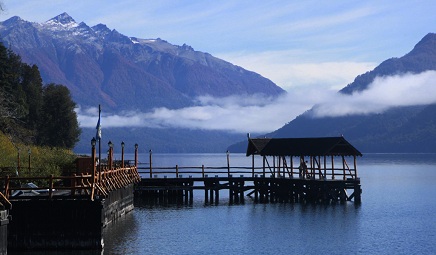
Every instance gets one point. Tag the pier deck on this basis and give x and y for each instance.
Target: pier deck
(292, 170)
(68, 212)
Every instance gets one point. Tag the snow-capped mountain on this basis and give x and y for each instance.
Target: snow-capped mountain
(101, 65)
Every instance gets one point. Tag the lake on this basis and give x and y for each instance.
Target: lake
(396, 216)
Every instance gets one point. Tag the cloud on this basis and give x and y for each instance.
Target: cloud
(233, 114)
(321, 21)
(259, 114)
(383, 93)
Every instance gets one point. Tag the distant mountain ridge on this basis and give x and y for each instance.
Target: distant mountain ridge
(100, 65)
(400, 129)
(420, 59)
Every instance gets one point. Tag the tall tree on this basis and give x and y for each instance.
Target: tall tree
(58, 125)
(12, 96)
(32, 87)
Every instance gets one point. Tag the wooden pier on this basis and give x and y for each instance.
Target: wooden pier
(5, 206)
(313, 170)
(261, 189)
(69, 212)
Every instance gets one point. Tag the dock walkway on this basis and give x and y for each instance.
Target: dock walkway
(68, 212)
(292, 170)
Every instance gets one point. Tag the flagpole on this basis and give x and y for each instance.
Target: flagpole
(99, 147)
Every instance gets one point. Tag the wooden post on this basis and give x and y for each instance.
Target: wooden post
(211, 195)
(264, 166)
(343, 166)
(177, 171)
(292, 165)
(231, 183)
(256, 191)
(301, 168)
(325, 167)
(202, 171)
(136, 155)
(312, 167)
(319, 167)
(217, 192)
(333, 168)
(19, 160)
(252, 165)
(93, 141)
(357, 193)
(29, 152)
(122, 154)
(241, 189)
(109, 157)
(279, 161)
(274, 166)
(206, 194)
(150, 163)
(355, 167)
(7, 186)
(191, 195)
(228, 163)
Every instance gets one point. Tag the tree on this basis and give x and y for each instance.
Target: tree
(29, 112)
(32, 87)
(58, 125)
(12, 97)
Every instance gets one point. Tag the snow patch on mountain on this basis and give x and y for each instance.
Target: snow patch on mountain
(62, 21)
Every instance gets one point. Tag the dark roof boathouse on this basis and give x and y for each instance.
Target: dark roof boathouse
(317, 158)
(305, 169)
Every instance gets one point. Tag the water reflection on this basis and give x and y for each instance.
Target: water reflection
(121, 234)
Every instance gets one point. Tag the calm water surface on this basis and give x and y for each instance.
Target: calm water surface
(397, 216)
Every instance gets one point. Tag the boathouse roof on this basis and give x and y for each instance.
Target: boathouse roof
(322, 146)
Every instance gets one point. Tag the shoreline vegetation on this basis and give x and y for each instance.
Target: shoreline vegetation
(32, 161)
(38, 124)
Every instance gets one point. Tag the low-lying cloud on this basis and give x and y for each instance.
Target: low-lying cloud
(382, 94)
(234, 114)
(259, 114)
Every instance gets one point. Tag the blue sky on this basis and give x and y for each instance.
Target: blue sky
(293, 43)
(302, 46)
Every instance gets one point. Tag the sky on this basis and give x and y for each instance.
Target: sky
(309, 48)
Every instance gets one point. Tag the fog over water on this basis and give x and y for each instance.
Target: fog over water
(259, 114)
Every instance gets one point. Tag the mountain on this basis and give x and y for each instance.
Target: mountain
(399, 129)
(420, 59)
(103, 66)
(125, 73)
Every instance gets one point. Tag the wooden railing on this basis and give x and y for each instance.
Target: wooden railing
(85, 185)
(5, 201)
(228, 171)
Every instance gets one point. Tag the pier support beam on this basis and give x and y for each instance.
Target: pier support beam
(4, 221)
(264, 190)
(65, 224)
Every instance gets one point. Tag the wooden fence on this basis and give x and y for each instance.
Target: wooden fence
(150, 171)
(85, 185)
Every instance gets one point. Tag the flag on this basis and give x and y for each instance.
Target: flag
(98, 127)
